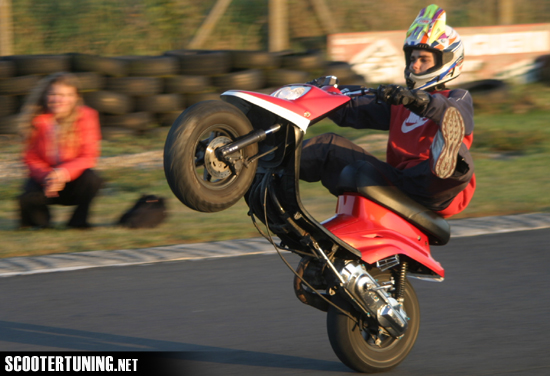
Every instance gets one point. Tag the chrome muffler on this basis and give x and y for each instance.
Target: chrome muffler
(374, 298)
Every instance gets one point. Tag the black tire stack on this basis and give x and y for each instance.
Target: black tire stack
(132, 97)
(543, 63)
(136, 94)
(18, 75)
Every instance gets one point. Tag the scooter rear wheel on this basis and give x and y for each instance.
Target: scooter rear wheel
(357, 349)
(196, 176)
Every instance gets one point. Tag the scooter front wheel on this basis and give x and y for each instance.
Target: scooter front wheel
(193, 171)
(367, 349)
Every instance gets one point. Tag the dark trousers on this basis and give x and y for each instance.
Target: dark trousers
(33, 204)
(325, 156)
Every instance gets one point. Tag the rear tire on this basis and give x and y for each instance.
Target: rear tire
(348, 339)
(197, 178)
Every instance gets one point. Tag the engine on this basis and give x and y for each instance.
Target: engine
(375, 299)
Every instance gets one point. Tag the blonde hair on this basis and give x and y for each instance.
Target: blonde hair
(36, 104)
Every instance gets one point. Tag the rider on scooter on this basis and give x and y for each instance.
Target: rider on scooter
(430, 127)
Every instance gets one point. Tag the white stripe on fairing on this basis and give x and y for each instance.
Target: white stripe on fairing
(300, 121)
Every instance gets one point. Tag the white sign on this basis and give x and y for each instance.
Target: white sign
(506, 43)
(505, 52)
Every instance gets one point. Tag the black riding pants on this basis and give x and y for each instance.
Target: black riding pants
(33, 204)
(325, 156)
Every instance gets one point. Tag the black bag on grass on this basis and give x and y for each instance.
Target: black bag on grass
(148, 212)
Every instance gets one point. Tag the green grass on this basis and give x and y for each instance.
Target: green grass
(512, 164)
(512, 161)
(109, 27)
(132, 144)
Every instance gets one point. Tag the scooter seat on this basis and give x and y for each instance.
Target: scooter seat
(363, 178)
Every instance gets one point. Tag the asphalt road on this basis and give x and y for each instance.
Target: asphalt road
(240, 316)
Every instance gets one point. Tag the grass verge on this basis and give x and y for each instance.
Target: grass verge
(512, 159)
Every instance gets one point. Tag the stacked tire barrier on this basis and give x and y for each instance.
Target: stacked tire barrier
(136, 94)
(544, 68)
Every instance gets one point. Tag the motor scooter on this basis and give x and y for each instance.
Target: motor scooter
(356, 265)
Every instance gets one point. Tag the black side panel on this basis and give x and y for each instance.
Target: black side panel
(274, 196)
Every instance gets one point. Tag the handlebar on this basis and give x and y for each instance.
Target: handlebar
(355, 93)
(350, 91)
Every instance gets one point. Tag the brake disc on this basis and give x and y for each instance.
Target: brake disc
(216, 168)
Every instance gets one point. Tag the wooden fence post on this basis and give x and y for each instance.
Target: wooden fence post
(6, 28)
(278, 25)
(328, 23)
(209, 23)
(506, 12)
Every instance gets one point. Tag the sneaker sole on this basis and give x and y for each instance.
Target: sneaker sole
(452, 130)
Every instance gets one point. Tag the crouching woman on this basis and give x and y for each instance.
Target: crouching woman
(62, 146)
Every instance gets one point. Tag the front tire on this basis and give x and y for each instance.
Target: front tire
(356, 348)
(197, 178)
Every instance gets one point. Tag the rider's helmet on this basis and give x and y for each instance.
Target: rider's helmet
(429, 31)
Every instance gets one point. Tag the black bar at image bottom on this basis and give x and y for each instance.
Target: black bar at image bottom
(134, 363)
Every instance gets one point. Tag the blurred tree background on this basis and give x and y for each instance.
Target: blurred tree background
(147, 27)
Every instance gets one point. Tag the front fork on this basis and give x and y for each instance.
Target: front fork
(225, 152)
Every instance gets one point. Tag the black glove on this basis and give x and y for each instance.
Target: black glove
(414, 100)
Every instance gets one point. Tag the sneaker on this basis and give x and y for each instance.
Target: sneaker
(446, 143)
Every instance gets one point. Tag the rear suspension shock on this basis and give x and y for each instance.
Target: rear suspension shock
(401, 282)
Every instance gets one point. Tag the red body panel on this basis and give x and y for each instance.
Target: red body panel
(315, 103)
(368, 227)
(319, 102)
(378, 232)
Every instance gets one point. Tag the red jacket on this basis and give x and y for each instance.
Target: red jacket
(410, 135)
(42, 154)
(409, 144)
